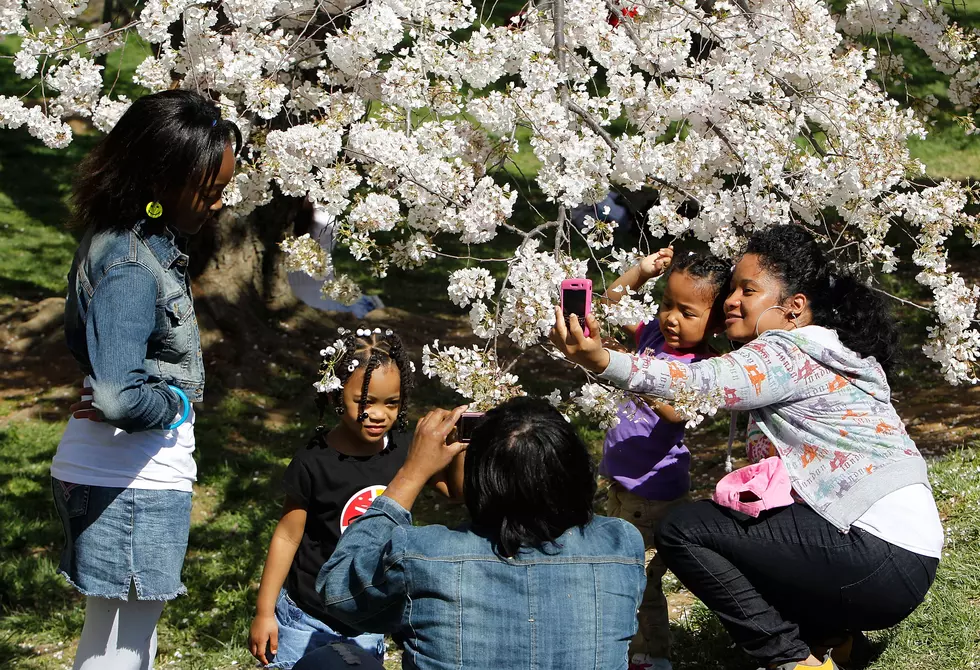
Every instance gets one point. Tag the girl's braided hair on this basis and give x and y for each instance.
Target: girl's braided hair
(379, 348)
(714, 273)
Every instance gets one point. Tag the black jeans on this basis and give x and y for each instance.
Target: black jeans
(338, 656)
(788, 577)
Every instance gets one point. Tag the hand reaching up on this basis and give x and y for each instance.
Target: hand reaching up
(656, 264)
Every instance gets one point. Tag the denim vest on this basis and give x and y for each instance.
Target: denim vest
(458, 605)
(130, 324)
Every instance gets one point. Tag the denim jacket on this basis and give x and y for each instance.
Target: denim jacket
(458, 605)
(130, 324)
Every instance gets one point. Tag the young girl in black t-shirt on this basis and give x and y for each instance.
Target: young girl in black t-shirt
(366, 379)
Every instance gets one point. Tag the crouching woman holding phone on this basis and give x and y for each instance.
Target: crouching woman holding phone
(535, 579)
(845, 536)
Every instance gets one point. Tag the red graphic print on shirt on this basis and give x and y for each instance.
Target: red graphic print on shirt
(358, 504)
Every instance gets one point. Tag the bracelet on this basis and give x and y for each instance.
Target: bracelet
(186, 407)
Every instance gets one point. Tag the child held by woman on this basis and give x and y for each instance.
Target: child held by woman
(644, 456)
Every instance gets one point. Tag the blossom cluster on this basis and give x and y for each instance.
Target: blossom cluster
(527, 304)
(331, 355)
(342, 289)
(473, 373)
(632, 308)
(470, 284)
(408, 121)
(599, 403)
(304, 254)
(694, 405)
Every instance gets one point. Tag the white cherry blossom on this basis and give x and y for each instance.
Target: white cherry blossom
(412, 121)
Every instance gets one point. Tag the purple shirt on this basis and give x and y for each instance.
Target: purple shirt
(643, 454)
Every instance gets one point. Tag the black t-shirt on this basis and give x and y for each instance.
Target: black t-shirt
(335, 489)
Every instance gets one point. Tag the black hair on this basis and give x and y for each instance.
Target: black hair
(163, 143)
(837, 301)
(528, 477)
(715, 274)
(381, 348)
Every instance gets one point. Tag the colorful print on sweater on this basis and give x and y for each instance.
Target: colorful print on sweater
(823, 409)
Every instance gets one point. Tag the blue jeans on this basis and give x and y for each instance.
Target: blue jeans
(300, 634)
(115, 537)
(339, 656)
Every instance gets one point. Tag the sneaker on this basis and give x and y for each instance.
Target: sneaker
(645, 662)
(854, 650)
(793, 665)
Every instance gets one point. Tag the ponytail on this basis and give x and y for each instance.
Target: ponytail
(860, 316)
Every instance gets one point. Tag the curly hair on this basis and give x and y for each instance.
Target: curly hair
(381, 348)
(715, 274)
(838, 301)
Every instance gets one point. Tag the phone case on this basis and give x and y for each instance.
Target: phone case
(468, 415)
(578, 285)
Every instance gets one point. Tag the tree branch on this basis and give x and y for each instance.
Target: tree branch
(594, 125)
(728, 143)
(901, 300)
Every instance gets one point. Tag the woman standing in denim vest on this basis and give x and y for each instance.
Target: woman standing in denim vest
(124, 468)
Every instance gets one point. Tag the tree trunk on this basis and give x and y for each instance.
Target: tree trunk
(240, 283)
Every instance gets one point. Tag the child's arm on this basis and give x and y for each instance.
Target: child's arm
(449, 482)
(282, 550)
(662, 409)
(638, 275)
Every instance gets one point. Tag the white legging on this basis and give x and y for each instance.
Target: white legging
(118, 634)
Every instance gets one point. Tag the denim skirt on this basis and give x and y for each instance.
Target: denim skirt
(115, 537)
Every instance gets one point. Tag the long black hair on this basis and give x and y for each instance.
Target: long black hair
(164, 143)
(380, 348)
(528, 477)
(838, 301)
(714, 275)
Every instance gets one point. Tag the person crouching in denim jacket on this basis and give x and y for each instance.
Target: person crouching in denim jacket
(534, 580)
(124, 468)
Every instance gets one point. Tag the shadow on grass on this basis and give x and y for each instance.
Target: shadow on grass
(30, 535)
(11, 652)
(37, 178)
(700, 642)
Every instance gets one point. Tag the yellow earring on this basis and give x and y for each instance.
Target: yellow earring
(154, 210)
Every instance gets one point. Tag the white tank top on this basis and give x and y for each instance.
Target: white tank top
(97, 454)
(907, 518)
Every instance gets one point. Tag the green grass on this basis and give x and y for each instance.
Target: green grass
(34, 244)
(242, 453)
(235, 509)
(237, 502)
(947, 151)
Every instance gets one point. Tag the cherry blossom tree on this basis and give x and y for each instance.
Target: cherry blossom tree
(404, 119)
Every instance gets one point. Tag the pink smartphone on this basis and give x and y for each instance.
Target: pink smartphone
(576, 298)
